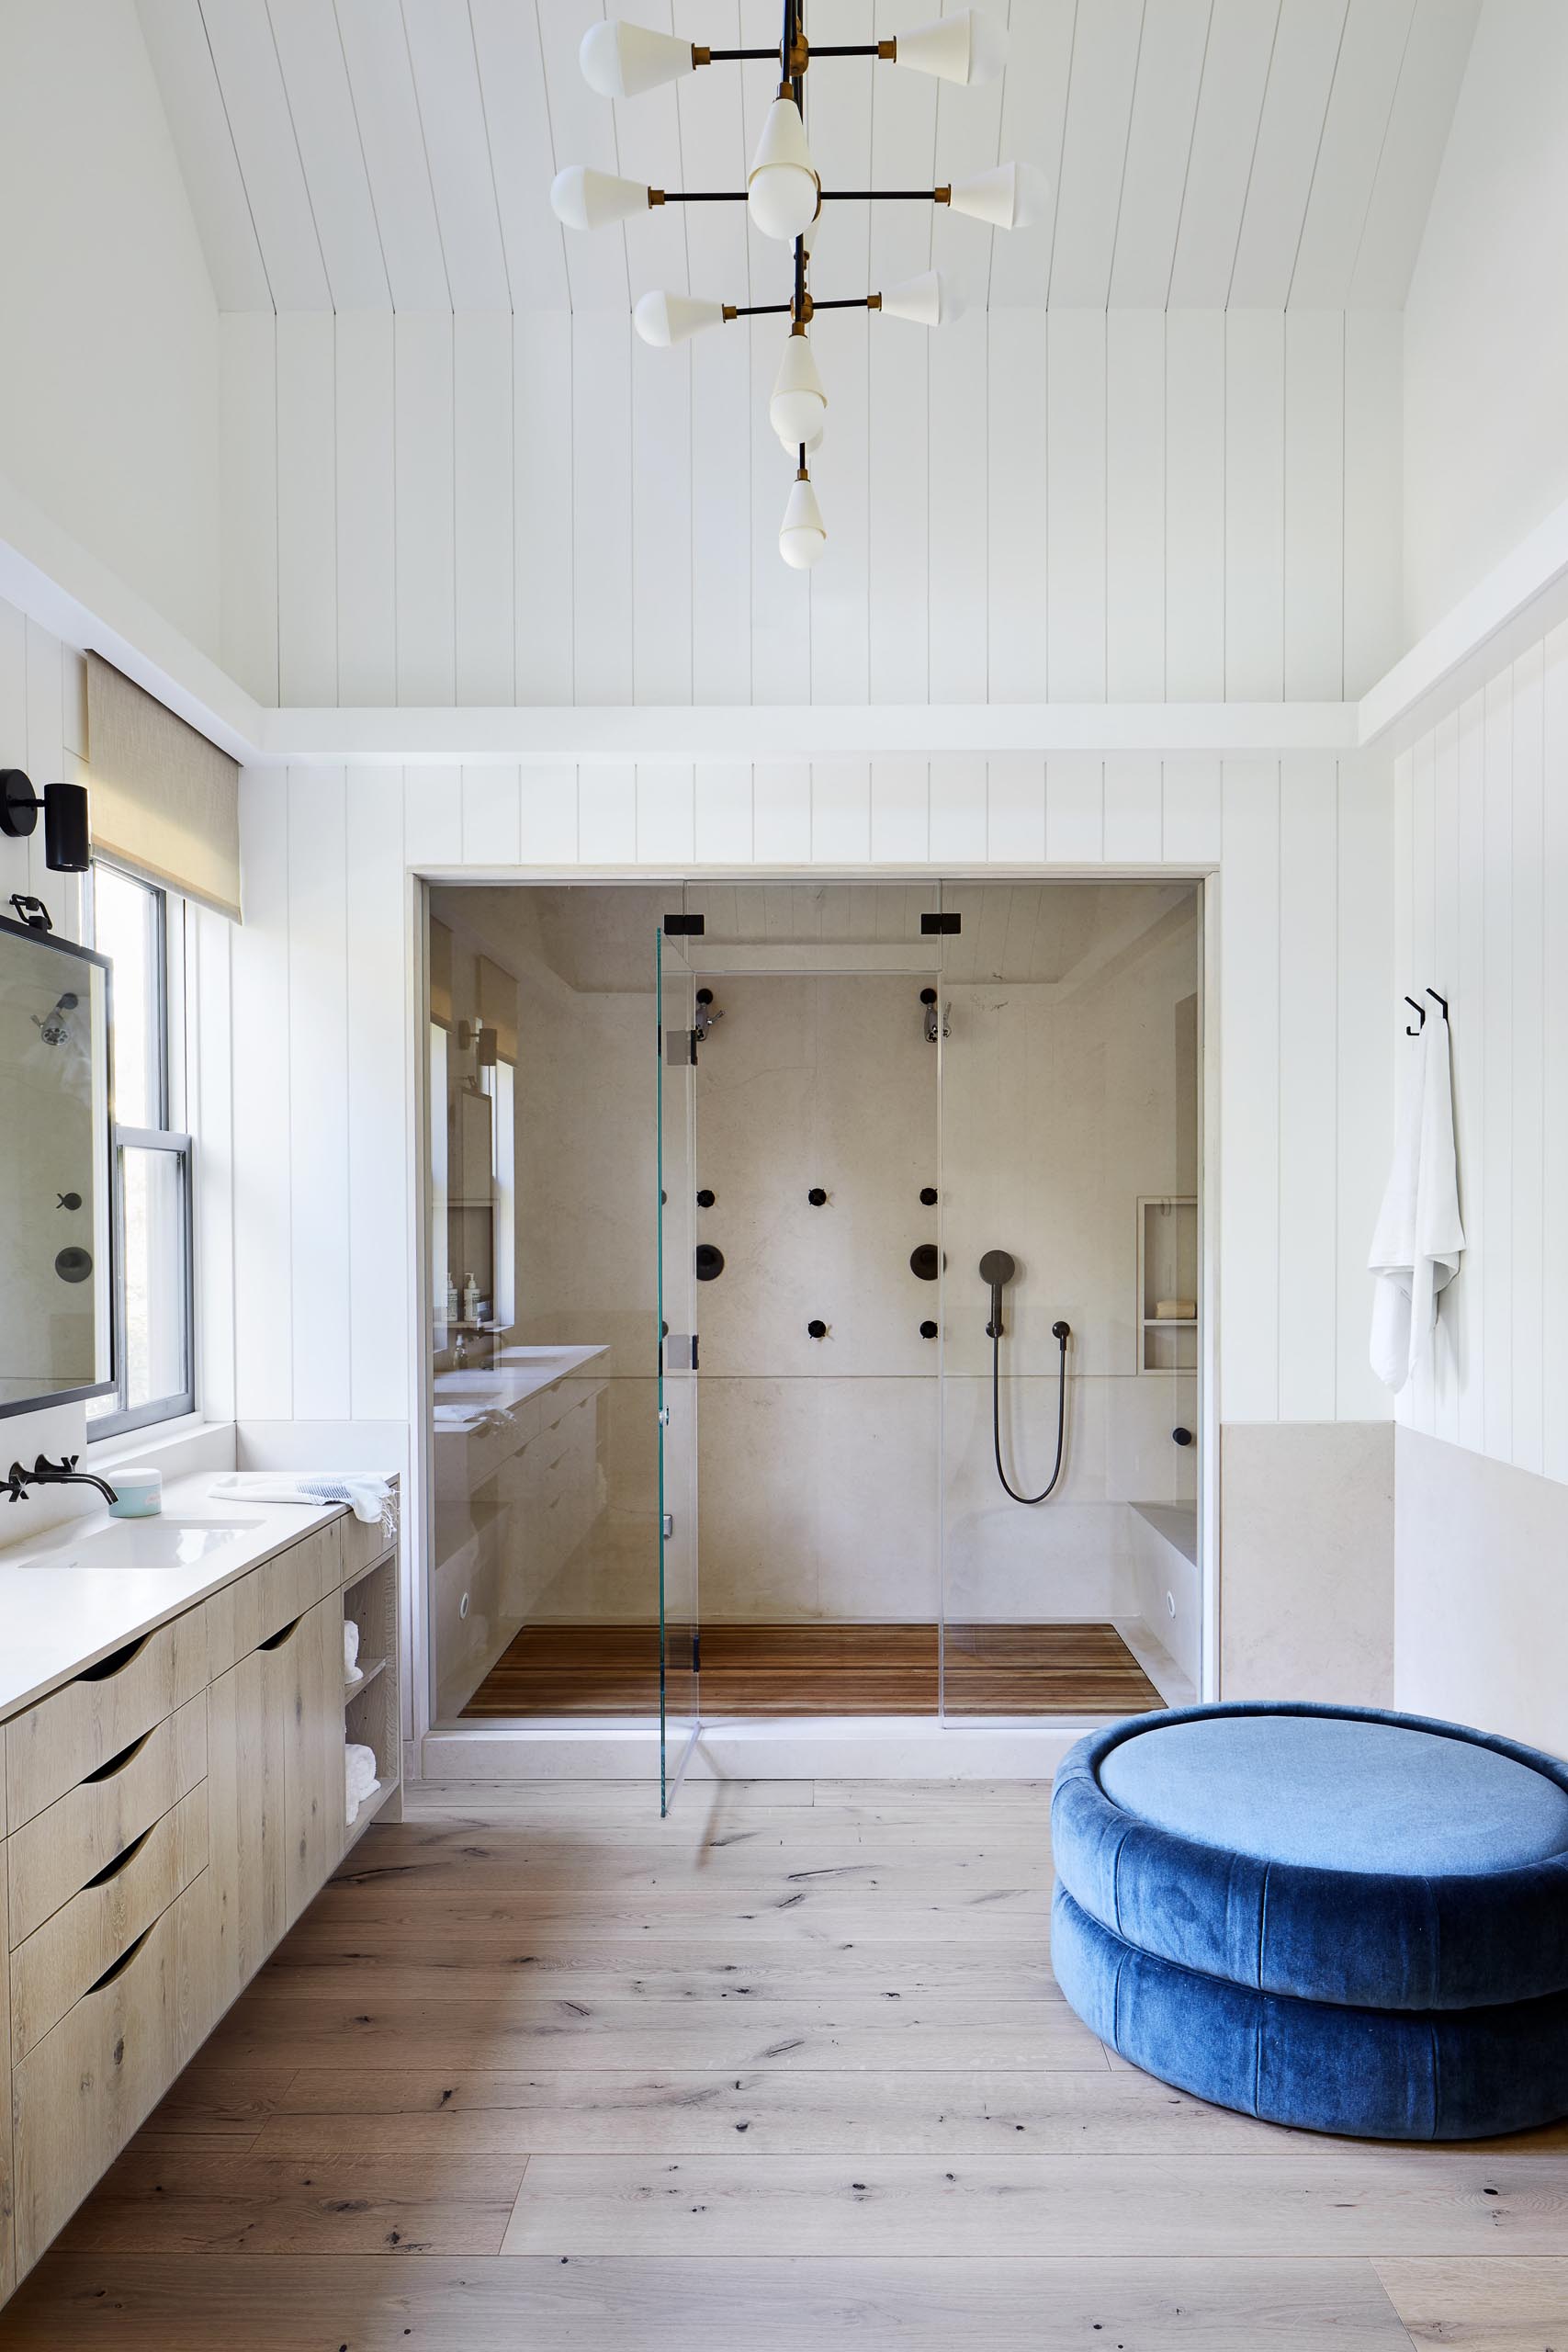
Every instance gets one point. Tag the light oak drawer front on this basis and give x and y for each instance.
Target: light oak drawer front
(80, 1727)
(52, 1970)
(362, 1546)
(256, 1607)
(80, 2093)
(79, 1835)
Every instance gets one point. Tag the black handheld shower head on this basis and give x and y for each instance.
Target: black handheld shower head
(998, 1268)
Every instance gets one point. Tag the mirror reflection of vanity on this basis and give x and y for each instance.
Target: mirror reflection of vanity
(55, 1171)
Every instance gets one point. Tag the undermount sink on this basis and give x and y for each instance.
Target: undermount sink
(144, 1543)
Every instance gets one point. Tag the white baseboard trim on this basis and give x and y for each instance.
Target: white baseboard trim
(853, 1748)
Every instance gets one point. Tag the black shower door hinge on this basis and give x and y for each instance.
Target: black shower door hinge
(696, 1650)
(685, 926)
(931, 923)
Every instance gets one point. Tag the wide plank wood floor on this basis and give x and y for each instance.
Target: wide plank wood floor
(788, 2070)
(1052, 1669)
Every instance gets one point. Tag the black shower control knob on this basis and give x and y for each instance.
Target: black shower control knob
(927, 996)
(705, 996)
(1181, 1437)
(817, 1197)
(925, 1263)
(928, 1331)
(710, 1262)
(816, 1329)
(705, 1199)
(928, 1196)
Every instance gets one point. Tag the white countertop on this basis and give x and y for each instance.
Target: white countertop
(59, 1613)
(467, 1397)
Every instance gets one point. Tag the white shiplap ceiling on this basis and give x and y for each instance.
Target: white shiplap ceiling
(375, 154)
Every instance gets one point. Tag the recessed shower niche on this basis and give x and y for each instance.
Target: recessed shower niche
(751, 1425)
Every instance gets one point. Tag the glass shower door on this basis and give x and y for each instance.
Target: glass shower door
(675, 1208)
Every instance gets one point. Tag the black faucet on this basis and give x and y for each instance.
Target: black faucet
(45, 1472)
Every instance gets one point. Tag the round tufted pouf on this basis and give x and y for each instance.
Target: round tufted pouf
(1351, 1920)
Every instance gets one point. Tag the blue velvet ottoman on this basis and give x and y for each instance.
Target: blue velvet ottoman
(1352, 1921)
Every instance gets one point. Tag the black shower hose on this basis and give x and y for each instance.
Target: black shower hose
(1061, 1336)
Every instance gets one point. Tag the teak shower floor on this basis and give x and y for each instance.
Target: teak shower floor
(1063, 1669)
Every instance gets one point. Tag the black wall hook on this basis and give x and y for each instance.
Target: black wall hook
(1440, 1000)
(1420, 1013)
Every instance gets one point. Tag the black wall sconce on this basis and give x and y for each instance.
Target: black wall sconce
(67, 836)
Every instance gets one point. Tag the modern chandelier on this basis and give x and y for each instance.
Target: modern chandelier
(783, 195)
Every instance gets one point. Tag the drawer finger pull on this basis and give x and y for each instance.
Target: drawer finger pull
(116, 1662)
(284, 1633)
(117, 1763)
(122, 1860)
(117, 1967)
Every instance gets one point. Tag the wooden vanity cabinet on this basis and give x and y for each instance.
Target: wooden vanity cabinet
(171, 1810)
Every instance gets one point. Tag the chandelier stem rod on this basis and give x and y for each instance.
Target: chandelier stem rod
(850, 302)
(853, 49)
(884, 195)
(760, 309)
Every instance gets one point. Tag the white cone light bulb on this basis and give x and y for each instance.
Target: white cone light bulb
(798, 407)
(803, 535)
(782, 188)
(664, 319)
(583, 198)
(966, 47)
(622, 61)
(1013, 196)
(925, 301)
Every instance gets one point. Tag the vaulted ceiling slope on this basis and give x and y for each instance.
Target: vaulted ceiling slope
(376, 154)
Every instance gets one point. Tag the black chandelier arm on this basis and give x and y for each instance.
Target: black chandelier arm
(828, 196)
(885, 49)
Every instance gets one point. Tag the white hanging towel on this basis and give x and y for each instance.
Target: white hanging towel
(1416, 1245)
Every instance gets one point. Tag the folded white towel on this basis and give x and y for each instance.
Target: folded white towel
(359, 1777)
(351, 1672)
(368, 1498)
(1419, 1237)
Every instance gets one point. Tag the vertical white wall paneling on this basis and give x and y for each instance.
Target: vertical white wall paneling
(1421, 1389)
(1529, 1031)
(903, 154)
(264, 1290)
(1075, 809)
(1314, 528)
(1235, 72)
(1195, 506)
(1300, 75)
(492, 804)
(1015, 532)
(427, 671)
(840, 812)
(1308, 1123)
(198, 125)
(433, 817)
(666, 816)
(661, 523)
(1497, 1015)
(208, 939)
(1094, 152)
(781, 807)
(1015, 809)
(1555, 1057)
(1135, 505)
(1445, 964)
(1165, 102)
(318, 1092)
(1035, 113)
(722, 813)
(248, 453)
(957, 822)
(1133, 814)
(45, 762)
(606, 813)
(781, 599)
(900, 811)
(602, 498)
(957, 493)
(457, 144)
(545, 469)
(245, 55)
(1255, 504)
(547, 820)
(1373, 499)
(1367, 999)
(1467, 1017)
(365, 474)
(483, 421)
(1249, 1090)
(1075, 533)
(722, 397)
(840, 624)
(506, 39)
(307, 508)
(1192, 801)
(1411, 151)
(1370, 53)
(381, 1378)
(583, 130)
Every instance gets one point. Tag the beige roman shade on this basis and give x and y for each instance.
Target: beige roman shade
(166, 802)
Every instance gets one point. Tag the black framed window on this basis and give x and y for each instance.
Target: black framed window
(134, 925)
